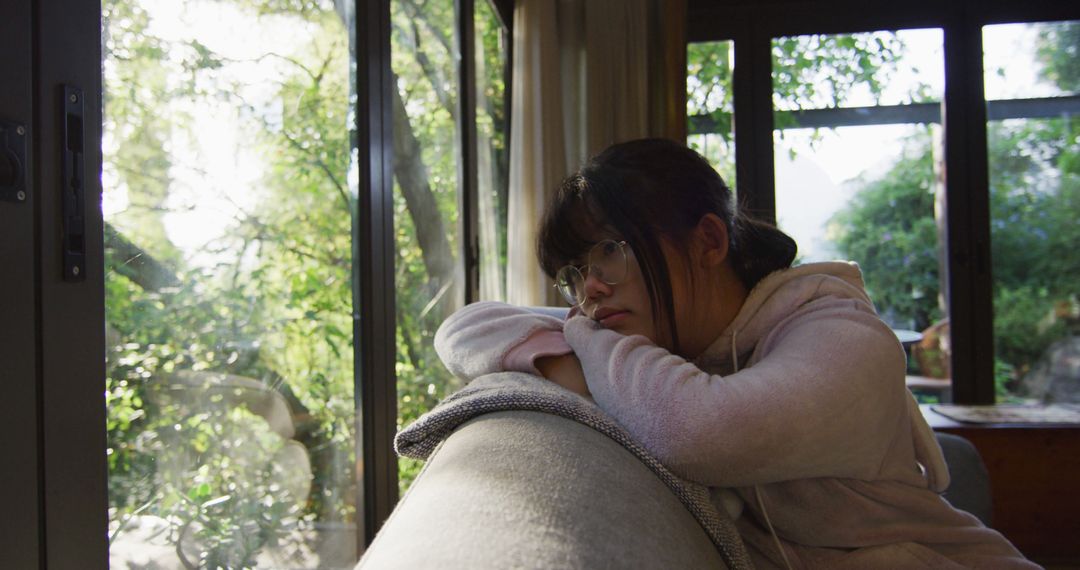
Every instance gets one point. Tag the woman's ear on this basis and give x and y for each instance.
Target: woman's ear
(712, 234)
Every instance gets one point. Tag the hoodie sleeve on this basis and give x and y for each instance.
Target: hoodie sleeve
(823, 401)
(487, 337)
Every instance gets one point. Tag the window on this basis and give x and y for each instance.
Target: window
(232, 200)
(1032, 85)
(434, 224)
(493, 148)
(710, 105)
(231, 414)
(872, 159)
(858, 167)
(429, 271)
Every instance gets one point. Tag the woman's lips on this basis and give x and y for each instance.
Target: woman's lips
(614, 319)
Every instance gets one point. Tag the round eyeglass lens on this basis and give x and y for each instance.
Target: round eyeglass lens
(569, 283)
(609, 259)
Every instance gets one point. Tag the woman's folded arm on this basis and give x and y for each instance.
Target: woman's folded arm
(822, 403)
(489, 336)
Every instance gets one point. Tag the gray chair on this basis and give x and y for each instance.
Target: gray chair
(969, 489)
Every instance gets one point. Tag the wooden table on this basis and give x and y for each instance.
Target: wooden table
(1035, 483)
(940, 387)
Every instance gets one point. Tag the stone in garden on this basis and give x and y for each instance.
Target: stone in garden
(1055, 379)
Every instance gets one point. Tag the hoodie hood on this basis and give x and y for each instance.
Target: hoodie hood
(775, 298)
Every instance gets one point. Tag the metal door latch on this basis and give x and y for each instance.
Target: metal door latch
(73, 184)
(13, 186)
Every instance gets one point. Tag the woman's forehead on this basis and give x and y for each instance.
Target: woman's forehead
(595, 235)
(592, 235)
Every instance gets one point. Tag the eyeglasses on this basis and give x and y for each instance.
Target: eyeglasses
(606, 261)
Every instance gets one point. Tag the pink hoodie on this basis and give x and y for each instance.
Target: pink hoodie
(799, 407)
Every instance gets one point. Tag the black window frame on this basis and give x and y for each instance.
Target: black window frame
(753, 25)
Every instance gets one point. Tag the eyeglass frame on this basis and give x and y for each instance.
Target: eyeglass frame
(588, 263)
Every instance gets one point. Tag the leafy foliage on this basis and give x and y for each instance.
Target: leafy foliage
(201, 340)
(1035, 202)
(819, 71)
(1058, 52)
(424, 60)
(889, 227)
(810, 71)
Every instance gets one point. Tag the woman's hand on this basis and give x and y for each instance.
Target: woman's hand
(564, 370)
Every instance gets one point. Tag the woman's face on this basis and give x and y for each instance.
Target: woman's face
(625, 307)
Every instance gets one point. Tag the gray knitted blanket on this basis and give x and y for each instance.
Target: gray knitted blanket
(517, 391)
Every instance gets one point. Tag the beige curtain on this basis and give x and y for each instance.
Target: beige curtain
(587, 73)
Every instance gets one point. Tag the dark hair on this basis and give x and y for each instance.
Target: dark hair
(644, 189)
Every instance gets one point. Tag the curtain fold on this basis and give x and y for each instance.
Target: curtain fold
(587, 74)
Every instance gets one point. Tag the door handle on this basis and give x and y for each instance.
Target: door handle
(73, 184)
(13, 162)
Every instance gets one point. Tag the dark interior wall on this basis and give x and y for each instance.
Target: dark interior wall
(839, 16)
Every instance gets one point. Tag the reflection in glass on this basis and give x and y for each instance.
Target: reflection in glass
(1034, 165)
(428, 273)
(231, 416)
(493, 156)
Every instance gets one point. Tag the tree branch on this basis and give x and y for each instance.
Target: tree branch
(137, 265)
(314, 160)
(417, 13)
(434, 76)
(412, 177)
(285, 58)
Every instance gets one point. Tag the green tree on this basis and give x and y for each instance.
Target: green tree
(1035, 201)
(198, 343)
(889, 228)
(811, 71)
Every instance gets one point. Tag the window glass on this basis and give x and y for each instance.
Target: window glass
(1032, 79)
(493, 156)
(429, 274)
(231, 413)
(710, 104)
(858, 173)
(1025, 61)
(858, 70)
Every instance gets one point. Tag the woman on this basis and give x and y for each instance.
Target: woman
(778, 387)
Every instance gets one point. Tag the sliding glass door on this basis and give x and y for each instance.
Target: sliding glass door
(228, 191)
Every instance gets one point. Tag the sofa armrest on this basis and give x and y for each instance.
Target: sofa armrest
(523, 489)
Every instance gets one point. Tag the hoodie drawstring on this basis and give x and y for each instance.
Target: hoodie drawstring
(757, 488)
(776, 539)
(734, 353)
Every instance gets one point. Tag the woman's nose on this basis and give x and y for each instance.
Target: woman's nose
(595, 287)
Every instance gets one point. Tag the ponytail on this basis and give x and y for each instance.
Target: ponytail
(759, 248)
